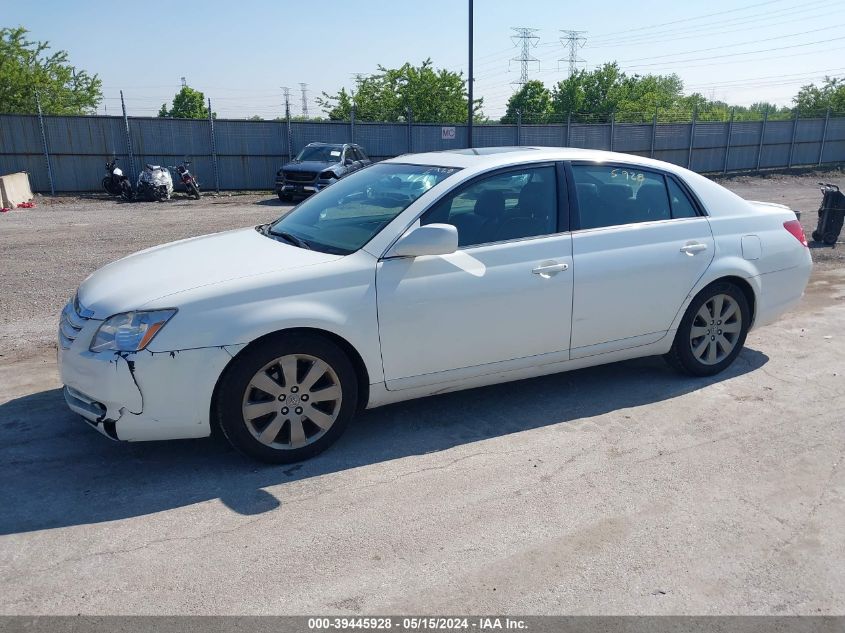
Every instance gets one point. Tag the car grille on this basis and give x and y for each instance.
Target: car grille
(71, 323)
(300, 176)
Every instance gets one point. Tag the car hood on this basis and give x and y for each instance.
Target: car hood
(156, 273)
(309, 165)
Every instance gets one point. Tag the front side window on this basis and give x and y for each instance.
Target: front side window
(504, 206)
(611, 196)
(342, 218)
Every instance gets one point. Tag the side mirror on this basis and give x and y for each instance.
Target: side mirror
(431, 239)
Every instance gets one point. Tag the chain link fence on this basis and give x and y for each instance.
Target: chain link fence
(68, 153)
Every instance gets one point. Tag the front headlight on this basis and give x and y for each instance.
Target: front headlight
(130, 331)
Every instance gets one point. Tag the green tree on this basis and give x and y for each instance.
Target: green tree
(187, 104)
(815, 100)
(27, 67)
(533, 100)
(433, 95)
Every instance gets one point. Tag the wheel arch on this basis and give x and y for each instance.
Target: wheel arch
(747, 290)
(354, 356)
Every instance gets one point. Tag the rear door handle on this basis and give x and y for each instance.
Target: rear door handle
(549, 269)
(691, 248)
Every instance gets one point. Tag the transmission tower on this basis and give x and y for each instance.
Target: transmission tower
(304, 89)
(286, 92)
(573, 40)
(525, 40)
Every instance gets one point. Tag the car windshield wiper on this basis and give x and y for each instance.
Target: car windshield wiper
(293, 239)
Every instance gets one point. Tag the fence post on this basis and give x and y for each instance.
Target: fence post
(568, 127)
(762, 137)
(728, 142)
(44, 144)
(352, 124)
(131, 165)
(792, 144)
(213, 149)
(692, 136)
(653, 133)
(612, 128)
(518, 127)
(824, 135)
(409, 118)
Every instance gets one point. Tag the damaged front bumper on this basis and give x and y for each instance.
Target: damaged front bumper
(141, 395)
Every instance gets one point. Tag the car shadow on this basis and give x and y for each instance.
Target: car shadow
(59, 472)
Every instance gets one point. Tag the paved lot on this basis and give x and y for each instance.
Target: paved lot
(620, 489)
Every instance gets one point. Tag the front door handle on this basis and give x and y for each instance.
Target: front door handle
(549, 269)
(692, 248)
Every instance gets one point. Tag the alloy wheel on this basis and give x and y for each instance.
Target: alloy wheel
(715, 329)
(292, 401)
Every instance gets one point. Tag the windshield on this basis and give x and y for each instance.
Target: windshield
(321, 153)
(342, 218)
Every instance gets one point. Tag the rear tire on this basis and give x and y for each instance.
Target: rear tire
(830, 239)
(267, 403)
(126, 191)
(712, 331)
(193, 191)
(285, 197)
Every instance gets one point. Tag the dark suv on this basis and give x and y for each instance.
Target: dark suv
(317, 166)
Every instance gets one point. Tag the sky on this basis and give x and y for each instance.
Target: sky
(242, 54)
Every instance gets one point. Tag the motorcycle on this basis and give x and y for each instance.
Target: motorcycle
(191, 184)
(154, 183)
(116, 183)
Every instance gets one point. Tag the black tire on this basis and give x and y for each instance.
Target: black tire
(108, 186)
(285, 197)
(817, 236)
(829, 238)
(681, 356)
(194, 190)
(126, 191)
(232, 388)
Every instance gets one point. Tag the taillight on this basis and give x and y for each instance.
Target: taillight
(794, 227)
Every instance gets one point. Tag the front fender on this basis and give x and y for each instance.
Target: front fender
(338, 297)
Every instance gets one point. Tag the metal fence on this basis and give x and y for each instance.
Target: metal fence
(64, 153)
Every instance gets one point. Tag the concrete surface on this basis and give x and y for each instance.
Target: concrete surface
(624, 489)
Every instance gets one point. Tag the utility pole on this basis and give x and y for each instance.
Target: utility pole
(573, 40)
(286, 92)
(525, 39)
(304, 88)
(469, 83)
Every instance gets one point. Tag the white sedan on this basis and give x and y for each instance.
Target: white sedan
(419, 275)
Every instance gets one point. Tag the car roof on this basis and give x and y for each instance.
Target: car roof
(321, 144)
(491, 157)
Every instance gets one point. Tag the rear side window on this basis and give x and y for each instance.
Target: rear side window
(682, 206)
(612, 196)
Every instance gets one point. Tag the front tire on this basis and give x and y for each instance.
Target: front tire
(286, 398)
(712, 332)
(193, 190)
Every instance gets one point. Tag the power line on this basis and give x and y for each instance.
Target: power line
(525, 39)
(652, 27)
(573, 40)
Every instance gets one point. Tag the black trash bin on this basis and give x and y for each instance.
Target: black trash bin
(831, 214)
